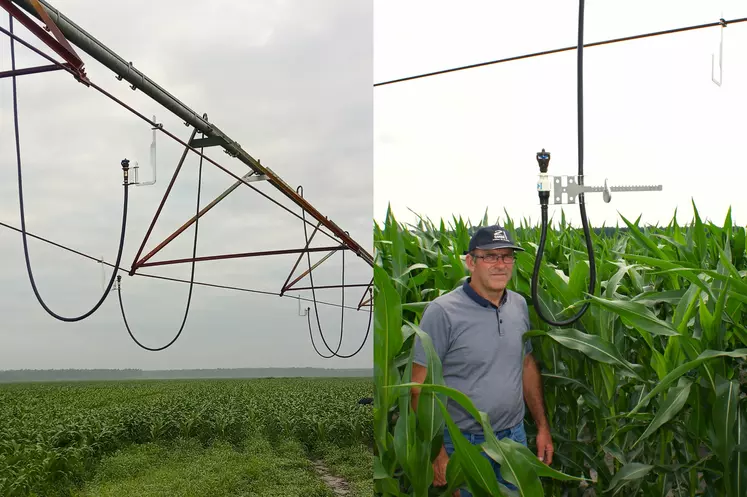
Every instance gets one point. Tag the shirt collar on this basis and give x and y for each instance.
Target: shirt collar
(480, 299)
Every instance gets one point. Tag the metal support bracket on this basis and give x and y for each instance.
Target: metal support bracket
(304, 312)
(567, 188)
(720, 57)
(252, 178)
(153, 157)
(210, 141)
(115, 286)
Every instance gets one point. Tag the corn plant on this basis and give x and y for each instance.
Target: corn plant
(645, 394)
(52, 435)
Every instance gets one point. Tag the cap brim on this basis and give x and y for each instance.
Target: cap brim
(497, 245)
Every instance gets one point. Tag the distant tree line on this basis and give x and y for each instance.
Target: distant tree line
(26, 375)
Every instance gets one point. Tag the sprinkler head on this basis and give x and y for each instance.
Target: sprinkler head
(543, 158)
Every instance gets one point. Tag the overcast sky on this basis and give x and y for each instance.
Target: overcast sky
(290, 80)
(458, 143)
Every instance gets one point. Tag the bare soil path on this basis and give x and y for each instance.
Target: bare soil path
(338, 485)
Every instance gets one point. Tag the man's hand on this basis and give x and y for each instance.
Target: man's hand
(439, 471)
(544, 445)
(439, 468)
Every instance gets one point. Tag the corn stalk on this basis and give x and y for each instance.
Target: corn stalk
(646, 394)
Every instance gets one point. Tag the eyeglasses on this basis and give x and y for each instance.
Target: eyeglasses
(493, 258)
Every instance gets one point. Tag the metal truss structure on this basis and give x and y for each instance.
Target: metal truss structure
(59, 34)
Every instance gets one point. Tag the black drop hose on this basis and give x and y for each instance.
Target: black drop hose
(191, 276)
(333, 353)
(125, 168)
(544, 159)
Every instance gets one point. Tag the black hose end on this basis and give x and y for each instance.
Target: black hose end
(125, 164)
(544, 199)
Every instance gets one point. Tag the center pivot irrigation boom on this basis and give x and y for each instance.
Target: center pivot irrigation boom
(59, 33)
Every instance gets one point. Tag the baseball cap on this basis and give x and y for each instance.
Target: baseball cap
(492, 237)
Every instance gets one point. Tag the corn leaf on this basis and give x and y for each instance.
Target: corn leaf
(630, 472)
(637, 315)
(675, 374)
(675, 401)
(592, 346)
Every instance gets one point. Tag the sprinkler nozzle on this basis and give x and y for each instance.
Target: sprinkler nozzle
(544, 160)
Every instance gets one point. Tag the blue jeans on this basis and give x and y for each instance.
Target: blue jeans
(515, 433)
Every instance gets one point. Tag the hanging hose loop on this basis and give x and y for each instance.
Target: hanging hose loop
(191, 278)
(24, 236)
(333, 353)
(543, 159)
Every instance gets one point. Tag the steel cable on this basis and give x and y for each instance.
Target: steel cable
(165, 278)
(722, 22)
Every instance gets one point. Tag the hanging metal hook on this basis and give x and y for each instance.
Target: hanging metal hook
(720, 56)
(302, 312)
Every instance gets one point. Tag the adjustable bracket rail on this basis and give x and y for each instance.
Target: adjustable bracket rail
(566, 189)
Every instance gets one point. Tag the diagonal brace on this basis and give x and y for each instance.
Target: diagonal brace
(369, 301)
(298, 260)
(308, 271)
(136, 264)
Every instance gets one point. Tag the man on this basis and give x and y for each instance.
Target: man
(477, 331)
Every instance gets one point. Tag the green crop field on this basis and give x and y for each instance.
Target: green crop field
(259, 437)
(646, 395)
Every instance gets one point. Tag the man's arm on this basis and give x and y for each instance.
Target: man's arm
(436, 324)
(419, 373)
(534, 398)
(533, 394)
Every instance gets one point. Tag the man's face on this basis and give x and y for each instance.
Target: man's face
(488, 272)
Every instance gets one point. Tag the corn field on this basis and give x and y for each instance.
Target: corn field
(51, 435)
(645, 395)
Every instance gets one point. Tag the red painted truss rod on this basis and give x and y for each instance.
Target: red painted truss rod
(245, 254)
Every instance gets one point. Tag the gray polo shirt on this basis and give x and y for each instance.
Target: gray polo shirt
(481, 349)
